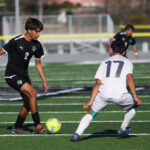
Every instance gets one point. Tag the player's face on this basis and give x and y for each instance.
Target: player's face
(34, 34)
(129, 32)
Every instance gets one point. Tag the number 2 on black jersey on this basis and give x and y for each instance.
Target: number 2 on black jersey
(26, 55)
(119, 69)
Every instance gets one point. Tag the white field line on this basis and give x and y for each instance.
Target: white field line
(24, 135)
(60, 104)
(46, 104)
(66, 79)
(83, 82)
(61, 91)
(97, 121)
(47, 94)
(68, 97)
(73, 112)
(78, 97)
(83, 79)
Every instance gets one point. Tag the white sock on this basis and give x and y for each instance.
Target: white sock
(128, 118)
(84, 123)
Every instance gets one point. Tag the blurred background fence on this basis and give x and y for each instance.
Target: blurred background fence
(75, 37)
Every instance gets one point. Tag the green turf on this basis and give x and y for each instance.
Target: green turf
(77, 75)
(63, 143)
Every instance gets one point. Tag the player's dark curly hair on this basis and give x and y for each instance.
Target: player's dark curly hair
(118, 46)
(129, 26)
(33, 24)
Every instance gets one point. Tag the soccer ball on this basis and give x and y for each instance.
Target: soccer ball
(53, 125)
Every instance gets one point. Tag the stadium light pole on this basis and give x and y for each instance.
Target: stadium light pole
(40, 11)
(17, 16)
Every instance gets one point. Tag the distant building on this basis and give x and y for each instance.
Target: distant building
(85, 3)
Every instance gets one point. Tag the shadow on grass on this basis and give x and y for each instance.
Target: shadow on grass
(106, 133)
(25, 127)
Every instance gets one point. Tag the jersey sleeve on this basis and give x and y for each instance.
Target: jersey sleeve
(129, 68)
(117, 37)
(39, 51)
(133, 41)
(7, 47)
(98, 74)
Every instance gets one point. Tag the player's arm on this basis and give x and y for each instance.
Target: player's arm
(115, 38)
(2, 52)
(135, 51)
(93, 94)
(41, 73)
(132, 89)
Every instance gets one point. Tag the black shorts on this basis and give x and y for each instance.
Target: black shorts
(16, 82)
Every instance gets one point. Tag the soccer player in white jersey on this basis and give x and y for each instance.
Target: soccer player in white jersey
(110, 87)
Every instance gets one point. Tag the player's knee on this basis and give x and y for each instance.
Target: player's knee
(33, 93)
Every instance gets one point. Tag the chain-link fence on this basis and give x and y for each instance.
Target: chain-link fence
(62, 24)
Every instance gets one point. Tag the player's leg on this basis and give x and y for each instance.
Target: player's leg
(16, 83)
(23, 112)
(98, 105)
(84, 123)
(28, 90)
(128, 117)
(129, 103)
(17, 128)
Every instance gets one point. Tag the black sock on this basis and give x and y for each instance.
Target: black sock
(19, 122)
(36, 118)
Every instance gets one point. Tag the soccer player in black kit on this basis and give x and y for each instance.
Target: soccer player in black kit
(20, 50)
(127, 38)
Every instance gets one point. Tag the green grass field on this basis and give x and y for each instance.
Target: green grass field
(101, 133)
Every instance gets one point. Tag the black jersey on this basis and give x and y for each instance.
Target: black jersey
(128, 40)
(20, 51)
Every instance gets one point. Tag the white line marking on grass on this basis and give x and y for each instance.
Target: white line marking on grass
(48, 94)
(24, 135)
(145, 77)
(84, 82)
(73, 112)
(144, 96)
(46, 104)
(63, 97)
(61, 92)
(97, 121)
(60, 104)
(66, 79)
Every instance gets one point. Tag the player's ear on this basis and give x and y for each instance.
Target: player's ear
(29, 31)
(123, 53)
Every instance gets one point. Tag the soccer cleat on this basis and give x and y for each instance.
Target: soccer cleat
(19, 130)
(124, 133)
(39, 128)
(75, 137)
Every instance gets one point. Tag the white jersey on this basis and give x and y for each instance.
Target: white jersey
(113, 72)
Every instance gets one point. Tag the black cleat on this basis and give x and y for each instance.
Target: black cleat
(75, 137)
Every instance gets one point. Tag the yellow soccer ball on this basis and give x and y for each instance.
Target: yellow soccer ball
(53, 125)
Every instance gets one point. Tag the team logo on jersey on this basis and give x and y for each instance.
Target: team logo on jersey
(125, 44)
(33, 48)
(123, 39)
(21, 47)
(19, 82)
(130, 40)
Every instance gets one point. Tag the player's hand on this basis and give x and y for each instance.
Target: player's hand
(136, 55)
(45, 88)
(86, 105)
(138, 101)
